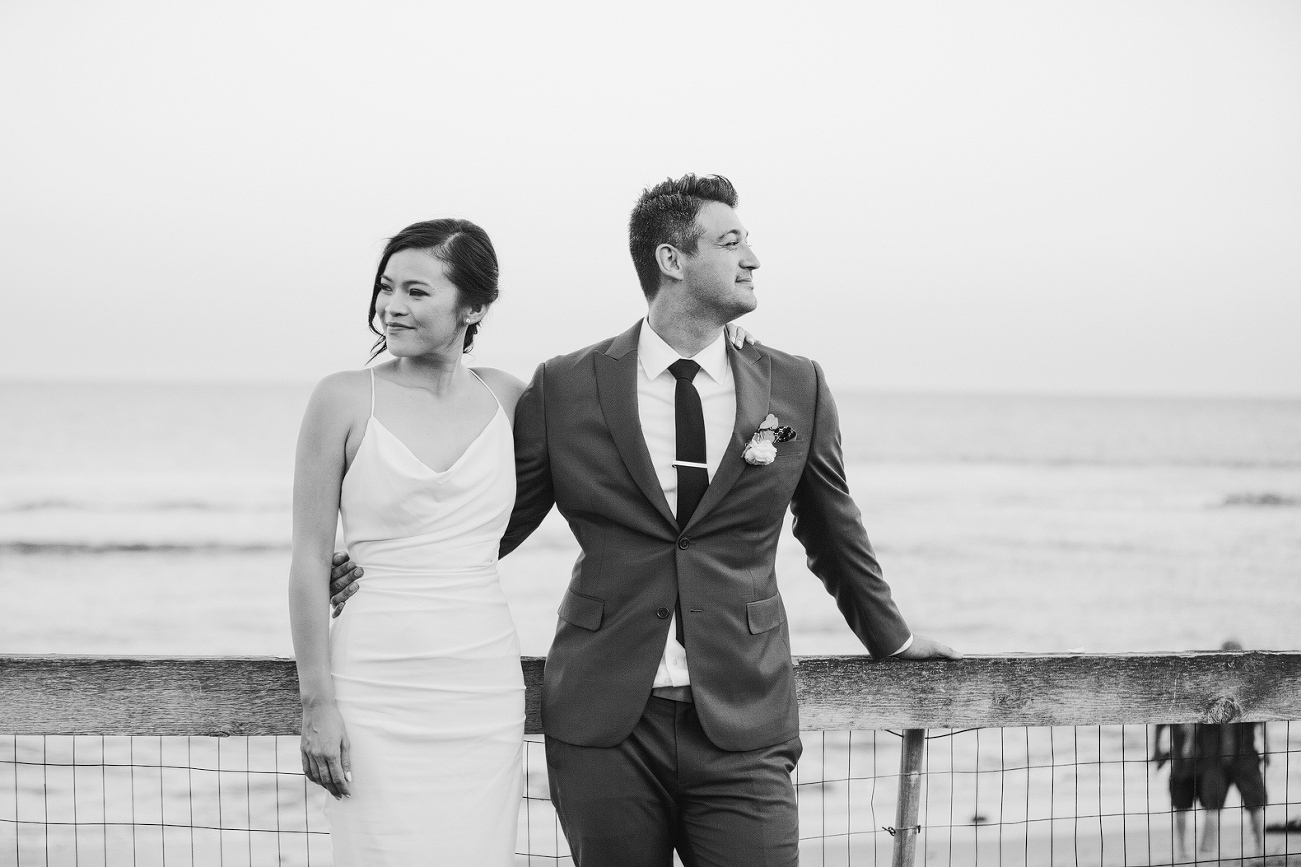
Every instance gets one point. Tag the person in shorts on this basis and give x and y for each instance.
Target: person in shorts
(1205, 760)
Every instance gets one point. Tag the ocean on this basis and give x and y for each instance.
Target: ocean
(155, 519)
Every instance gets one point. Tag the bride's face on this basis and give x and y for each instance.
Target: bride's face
(419, 308)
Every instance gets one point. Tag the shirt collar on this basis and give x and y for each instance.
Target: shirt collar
(655, 355)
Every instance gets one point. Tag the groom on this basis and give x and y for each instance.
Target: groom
(668, 698)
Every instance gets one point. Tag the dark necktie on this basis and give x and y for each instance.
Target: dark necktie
(689, 419)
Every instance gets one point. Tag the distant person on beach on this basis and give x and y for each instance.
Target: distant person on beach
(668, 700)
(1205, 760)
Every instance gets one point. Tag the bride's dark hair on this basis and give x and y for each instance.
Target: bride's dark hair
(467, 253)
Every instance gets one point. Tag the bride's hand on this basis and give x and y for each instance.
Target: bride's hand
(327, 759)
(738, 336)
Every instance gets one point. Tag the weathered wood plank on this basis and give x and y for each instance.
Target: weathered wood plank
(838, 693)
(201, 696)
(222, 696)
(217, 696)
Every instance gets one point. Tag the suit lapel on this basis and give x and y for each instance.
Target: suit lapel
(616, 386)
(752, 373)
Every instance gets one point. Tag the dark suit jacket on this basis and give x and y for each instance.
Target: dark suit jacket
(578, 444)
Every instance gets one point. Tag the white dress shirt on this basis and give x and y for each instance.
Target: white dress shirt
(656, 392)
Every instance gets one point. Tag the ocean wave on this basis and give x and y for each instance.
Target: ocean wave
(38, 548)
(1261, 499)
(65, 505)
(866, 456)
(33, 547)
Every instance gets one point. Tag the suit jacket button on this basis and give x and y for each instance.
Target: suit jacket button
(662, 613)
(684, 543)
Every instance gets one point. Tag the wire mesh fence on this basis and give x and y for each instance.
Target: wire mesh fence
(1087, 795)
(158, 801)
(1119, 808)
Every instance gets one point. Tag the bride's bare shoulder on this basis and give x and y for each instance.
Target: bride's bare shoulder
(341, 394)
(506, 387)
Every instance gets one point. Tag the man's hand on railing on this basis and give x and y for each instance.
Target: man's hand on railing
(927, 648)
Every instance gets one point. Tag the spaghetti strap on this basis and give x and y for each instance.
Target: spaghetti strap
(372, 392)
(485, 385)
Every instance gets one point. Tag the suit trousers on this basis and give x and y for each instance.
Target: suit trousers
(667, 787)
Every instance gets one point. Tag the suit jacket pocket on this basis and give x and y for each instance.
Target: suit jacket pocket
(582, 611)
(765, 614)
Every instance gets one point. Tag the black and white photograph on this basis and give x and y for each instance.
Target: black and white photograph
(650, 435)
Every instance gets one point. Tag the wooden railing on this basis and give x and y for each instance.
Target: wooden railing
(234, 696)
(248, 696)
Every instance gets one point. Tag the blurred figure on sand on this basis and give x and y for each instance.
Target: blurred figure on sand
(1205, 759)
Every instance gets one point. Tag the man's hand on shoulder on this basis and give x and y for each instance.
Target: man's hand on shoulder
(739, 337)
(343, 581)
(927, 648)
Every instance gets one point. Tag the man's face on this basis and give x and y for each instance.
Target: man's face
(719, 276)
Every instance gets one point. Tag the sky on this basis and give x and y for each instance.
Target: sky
(1099, 198)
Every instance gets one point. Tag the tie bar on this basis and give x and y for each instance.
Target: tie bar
(690, 464)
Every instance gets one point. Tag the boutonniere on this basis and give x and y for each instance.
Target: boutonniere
(761, 450)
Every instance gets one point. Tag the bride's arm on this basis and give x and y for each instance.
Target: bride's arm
(318, 476)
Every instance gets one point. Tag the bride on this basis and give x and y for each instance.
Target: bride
(413, 698)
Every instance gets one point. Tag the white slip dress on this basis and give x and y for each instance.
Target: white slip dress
(425, 659)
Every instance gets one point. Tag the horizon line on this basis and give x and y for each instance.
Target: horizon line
(916, 391)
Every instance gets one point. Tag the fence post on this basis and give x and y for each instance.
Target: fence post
(910, 793)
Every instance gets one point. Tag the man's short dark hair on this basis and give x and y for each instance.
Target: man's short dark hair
(666, 214)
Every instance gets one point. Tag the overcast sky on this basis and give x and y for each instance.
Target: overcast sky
(978, 196)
